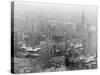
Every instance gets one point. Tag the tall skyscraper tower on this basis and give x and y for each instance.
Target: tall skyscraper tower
(83, 19)
(80, 30)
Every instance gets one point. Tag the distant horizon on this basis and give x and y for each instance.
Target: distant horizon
(71, 13)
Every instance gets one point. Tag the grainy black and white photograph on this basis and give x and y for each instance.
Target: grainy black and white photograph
(50, 37)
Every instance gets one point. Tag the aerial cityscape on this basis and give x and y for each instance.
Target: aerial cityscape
(49, 37)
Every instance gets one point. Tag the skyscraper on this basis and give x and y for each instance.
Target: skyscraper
(80, 28)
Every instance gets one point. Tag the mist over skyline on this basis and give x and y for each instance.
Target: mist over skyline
(50, 37)
(70, 13)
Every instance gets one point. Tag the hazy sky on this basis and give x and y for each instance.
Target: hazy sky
(72, 13)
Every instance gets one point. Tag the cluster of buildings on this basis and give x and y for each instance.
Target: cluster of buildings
(86, 33)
